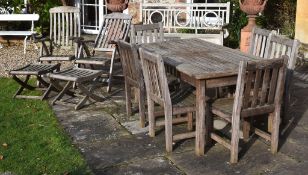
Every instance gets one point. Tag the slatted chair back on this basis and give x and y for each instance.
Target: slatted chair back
(130, 63)
(115, 27)
(259, 87)
(147, 33)
(278, 46)
(155, 77)
(64, 23)
(258, 41)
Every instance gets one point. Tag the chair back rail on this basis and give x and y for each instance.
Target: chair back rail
(115, 27)
(278, 46)
(130, 63)
(147, 33)
(260, 86)
(258, 41)
(155, 77)
(64, 23)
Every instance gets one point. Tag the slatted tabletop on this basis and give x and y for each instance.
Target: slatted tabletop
(199, 59)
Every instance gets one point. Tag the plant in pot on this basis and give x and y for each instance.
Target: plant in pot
(117, 5)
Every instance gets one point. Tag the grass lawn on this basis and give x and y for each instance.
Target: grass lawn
(31, 140)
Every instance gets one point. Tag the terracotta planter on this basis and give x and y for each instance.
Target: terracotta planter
(251, 8)
(117, 5)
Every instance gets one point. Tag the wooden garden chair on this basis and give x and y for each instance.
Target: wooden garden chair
(157, 91)
(133, 78)
(276, 47)
(259, 91)
(64, 26)
(115, 27)
(147, 33)
(258, 41)
(37, 70)
(139, 34)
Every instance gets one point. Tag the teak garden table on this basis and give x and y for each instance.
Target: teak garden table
(203, 65)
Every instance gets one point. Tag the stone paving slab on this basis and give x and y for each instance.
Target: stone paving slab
(112, 143)
(153, 166)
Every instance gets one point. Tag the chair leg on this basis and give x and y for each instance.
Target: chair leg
(270, 122)
(21, 88)
(275, 130)
(128, 98)
(235, 139)
(110, 72)
(141, 107)
(246, 129)
(151, 117)
(61, 94)
(168, 128)
(190, 121)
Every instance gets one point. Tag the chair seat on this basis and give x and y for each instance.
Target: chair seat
(76, 74)
(223, 107)
(57, 58)
(35, 69)
(93, 60)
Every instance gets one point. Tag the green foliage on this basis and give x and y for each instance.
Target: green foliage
(36, 144)
(280, 14)
(42, 7)
(237, 21)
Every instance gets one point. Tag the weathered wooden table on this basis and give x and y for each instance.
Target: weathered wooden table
(203, 65)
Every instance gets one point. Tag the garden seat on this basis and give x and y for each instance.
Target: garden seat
(157, 91)
(115, 27)
(84, 79)
(29, 70)
(259, 91)
(64, 26)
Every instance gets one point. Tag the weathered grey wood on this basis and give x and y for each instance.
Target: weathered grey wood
(79, 77)
(278, 46)
(258, 41)
(158, 92)
(133, 77)
(203, 65)
(33, 70)
(64, 24)
(147, 33)
(115, 27)
(271, 87)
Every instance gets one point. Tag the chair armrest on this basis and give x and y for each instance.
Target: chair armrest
(40, 38)
(80, 40)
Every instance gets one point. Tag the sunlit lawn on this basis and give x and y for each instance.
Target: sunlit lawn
(31, 139)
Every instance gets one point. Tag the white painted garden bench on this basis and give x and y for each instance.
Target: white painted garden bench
(19, 17)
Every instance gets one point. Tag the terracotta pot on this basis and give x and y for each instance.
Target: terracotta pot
(117, 5)
(252, 7)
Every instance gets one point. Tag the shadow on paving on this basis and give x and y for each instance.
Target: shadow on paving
(104, 134)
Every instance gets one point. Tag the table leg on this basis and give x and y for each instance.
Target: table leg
(200, 116)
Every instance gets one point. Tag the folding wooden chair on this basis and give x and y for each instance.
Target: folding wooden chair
(147, 33)
(64, 26)
(37, 70)
(259, 91)
(115, 27)
(173, 104)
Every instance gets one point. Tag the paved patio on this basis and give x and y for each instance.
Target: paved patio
(112, 143)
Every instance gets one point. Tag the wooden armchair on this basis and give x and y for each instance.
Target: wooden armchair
(133, 77)
(258, 41)
(147, 33)
(157, 91)
(115, 27)
(276, 47)
(259, 91)
(64, 25)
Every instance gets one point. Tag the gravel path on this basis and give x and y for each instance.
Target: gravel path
(12, 57)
